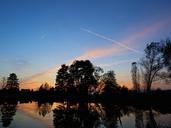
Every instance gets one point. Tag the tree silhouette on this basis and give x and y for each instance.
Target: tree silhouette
(110, 84)
(135, 77)
(167, 55)
(152, 63)
(157, 57)
(82, 76)
(79, 76)
(12, 82)
(8, 110)
(44, 87)
(62, 77)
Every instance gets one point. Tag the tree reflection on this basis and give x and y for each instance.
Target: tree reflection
(81, 115)
(112, 115)
(44, 108)
(84, 115)
(8, 110)
(151, 122)
(139, 119)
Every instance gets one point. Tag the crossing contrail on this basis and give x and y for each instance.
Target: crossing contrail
(110, 40)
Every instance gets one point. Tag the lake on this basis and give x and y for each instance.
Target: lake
(81, 115)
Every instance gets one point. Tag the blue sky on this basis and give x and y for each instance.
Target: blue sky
(36, 35)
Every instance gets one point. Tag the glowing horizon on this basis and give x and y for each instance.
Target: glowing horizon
(37, 37)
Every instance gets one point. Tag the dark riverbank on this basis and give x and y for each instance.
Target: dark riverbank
(153, 98)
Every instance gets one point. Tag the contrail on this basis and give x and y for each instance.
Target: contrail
(117, 62)
(109, 39)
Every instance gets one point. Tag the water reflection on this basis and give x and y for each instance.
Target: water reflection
(44, 108)
(75, 115)
(151, 122)
(139, 122)
(8, 111)
(81, 115)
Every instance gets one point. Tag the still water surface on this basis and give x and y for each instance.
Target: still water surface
(91, 115)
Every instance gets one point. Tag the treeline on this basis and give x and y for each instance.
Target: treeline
(82, 81)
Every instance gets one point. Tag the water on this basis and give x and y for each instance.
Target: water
(91, 115)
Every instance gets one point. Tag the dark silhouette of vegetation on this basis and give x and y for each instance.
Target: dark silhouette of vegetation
(8, 111)
(139, 122)
(77, 78)
(86, 116)
(81, 83)
(155, 63)
(91, 115)
(151, 122)
(135, 77)
(95, 115)
(167, 56)
(110, 84)
(151, 64)
(12, 82)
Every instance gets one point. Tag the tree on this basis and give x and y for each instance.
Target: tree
(151, 64)
(156, 62)
(135, 77)
(78, 76)
(109, 77)
(109, 81)
(167, 55)
(45, 87)
(62, 76)
(82, 75)
(12, 82)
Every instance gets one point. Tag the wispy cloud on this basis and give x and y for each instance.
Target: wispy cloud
(117, 47)
(20, 64)
(123, 45)
(110, 40)
(37, 79)
(100, 52)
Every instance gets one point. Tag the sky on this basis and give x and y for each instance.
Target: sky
(37, 36)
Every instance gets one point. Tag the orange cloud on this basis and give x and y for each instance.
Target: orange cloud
(115, 48)
(100, 52)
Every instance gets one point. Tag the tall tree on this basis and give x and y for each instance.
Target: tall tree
(151, 64)
(82, 73)
(167, 55)
(135, 77)
(12, 82)
(78, 76)
(156, 62)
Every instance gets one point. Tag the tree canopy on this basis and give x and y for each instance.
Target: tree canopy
(156, 62)
(12, 82)
(79, 76)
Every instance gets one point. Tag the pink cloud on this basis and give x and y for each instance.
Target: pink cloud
(115, 49)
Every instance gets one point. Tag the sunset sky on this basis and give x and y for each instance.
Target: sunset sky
(37, 36)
